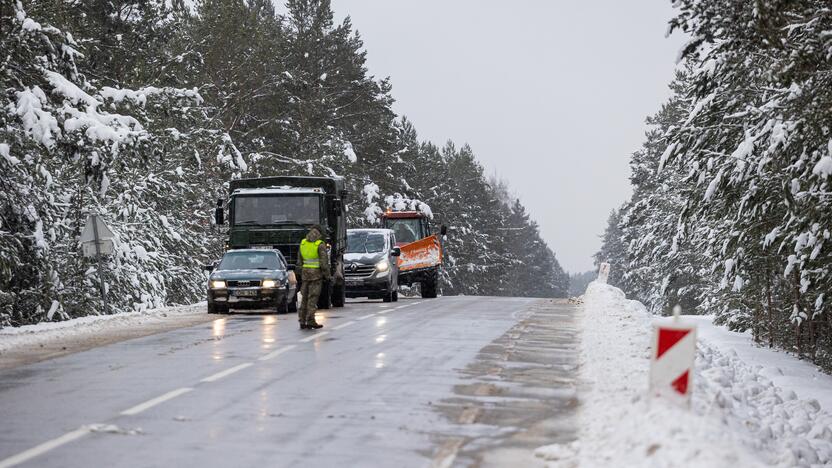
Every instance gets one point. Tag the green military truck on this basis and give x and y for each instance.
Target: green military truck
(276, 213)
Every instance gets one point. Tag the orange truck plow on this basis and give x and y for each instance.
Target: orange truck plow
(424, 253)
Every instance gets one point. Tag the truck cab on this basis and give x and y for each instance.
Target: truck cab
(408, 226)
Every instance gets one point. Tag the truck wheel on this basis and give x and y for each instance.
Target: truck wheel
(212, 308)
(428, 288)
(339, 295)
(388, 296)
(325, 299)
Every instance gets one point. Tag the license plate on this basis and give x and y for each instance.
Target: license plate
(354, 282)
(245, 292)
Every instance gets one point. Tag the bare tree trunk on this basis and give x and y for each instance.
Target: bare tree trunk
(799, 321)
(770, 309)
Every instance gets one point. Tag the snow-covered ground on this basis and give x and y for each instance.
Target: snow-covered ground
(783, 369)
(751, 407)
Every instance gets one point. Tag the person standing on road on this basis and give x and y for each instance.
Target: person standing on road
(314, 267)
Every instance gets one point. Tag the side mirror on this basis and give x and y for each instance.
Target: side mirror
(337, 204)
(291, 267)
(219, 216)
(209, 268)
(396, 251)
(443, 230)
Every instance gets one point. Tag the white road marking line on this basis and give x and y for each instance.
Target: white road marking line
(158, 400)
(226, 373)
(343, 325)
(316, 335)
(365, 317)
(276, 353)
(33, 452)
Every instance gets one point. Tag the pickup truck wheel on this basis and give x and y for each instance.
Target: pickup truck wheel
(212, 308)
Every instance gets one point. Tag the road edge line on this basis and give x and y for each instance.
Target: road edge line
(155, 401)
(44, 447)
(276, 353)
(316, 335)
(344, 325)
(222, 374)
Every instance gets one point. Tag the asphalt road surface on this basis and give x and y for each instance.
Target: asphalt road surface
(454, 381)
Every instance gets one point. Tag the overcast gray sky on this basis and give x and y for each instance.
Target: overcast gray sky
(551, 95)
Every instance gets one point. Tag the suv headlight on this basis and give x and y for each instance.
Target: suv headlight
(382, 266)
(218, 284)
(269, 283)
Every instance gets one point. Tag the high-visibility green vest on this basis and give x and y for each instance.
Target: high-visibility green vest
(309, 252)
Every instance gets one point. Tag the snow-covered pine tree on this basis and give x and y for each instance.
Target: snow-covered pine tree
(753, 146)
(81, 147)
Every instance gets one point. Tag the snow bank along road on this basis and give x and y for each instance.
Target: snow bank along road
(738, 418)
(457, 380)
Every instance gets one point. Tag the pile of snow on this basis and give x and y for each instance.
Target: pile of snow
(47, 332)
(738, 416)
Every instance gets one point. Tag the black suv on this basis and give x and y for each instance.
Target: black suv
(252, 278)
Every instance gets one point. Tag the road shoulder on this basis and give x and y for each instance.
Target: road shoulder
(34, 343)
(518, 394)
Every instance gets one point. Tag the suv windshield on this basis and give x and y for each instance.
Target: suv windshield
(250, 261)
(364, 242)
(407, 230)
(277, 209)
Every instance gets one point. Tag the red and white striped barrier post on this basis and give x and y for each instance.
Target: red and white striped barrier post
(671, 361)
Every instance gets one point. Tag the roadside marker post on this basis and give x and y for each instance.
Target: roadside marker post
(603, 273)
(672, 358)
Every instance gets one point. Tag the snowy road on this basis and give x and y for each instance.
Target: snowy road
(413, 383)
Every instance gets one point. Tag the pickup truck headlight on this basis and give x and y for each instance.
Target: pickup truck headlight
(382, 266)
(269, 283)
(218, 284)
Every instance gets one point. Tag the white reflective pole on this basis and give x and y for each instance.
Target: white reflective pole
(100, 264)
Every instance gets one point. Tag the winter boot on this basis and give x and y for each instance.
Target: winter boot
(314, 325)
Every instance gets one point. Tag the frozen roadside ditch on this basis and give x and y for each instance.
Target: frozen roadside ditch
(739, 416)
(32, 343)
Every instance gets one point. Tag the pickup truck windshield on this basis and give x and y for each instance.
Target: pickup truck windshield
(250, 261)
(364, 242)
(277, 209)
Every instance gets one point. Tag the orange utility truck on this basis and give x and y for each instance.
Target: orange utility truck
(421, 256)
